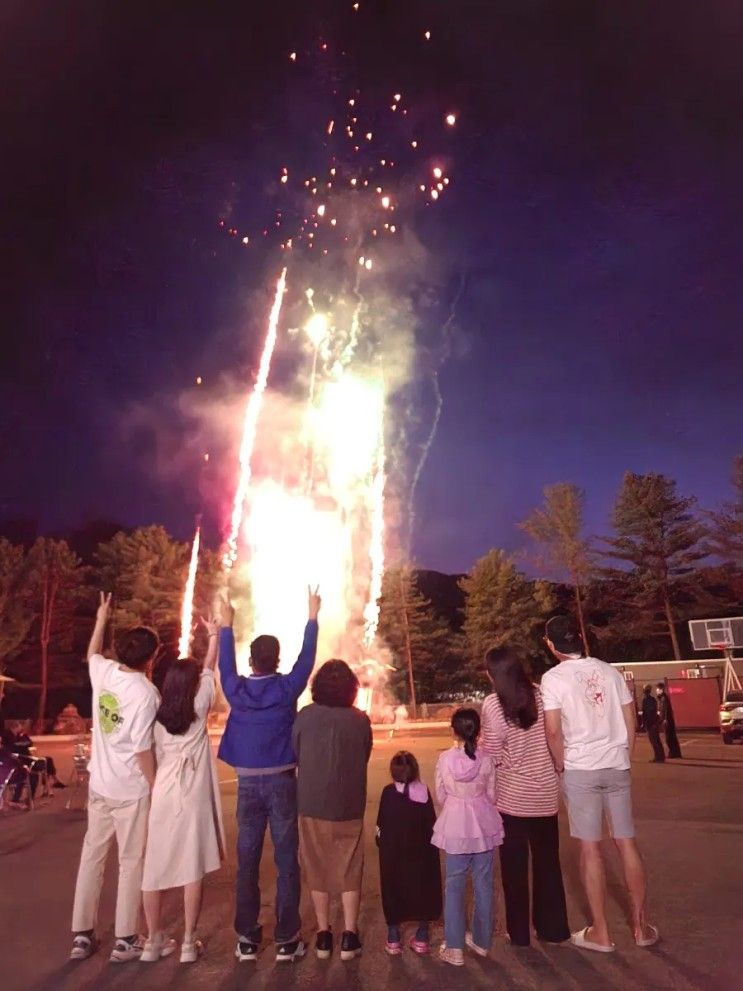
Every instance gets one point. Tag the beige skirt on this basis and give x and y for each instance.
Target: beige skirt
(332, 854)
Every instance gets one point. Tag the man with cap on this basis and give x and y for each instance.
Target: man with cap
(590, 725)
(651, 722)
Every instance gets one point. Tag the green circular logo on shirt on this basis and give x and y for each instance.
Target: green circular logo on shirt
(108, 713)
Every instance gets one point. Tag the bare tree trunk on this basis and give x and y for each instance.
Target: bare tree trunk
(408, 649)
(579, 611)
(671, 627)
(47, 609)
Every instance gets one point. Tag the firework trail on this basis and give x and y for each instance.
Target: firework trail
(184, 643)
(428, 443)
(376, 548)
(252, 412)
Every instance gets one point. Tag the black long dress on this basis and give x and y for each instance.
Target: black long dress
(409, 866)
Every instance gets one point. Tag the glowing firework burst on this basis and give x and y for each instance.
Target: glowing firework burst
(184, 642)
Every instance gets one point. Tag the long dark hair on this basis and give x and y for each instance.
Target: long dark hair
(404, 769)
(466, 725)
(512, 686)
(176, 712)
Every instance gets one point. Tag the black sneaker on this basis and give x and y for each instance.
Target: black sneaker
(126, 949)
(291, 951)
(350, 946)
(246, 950)
(83, 946)
(324, 944)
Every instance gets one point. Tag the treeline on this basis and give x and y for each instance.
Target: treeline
(664, 562)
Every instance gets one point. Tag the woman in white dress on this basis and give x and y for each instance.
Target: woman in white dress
(186, 837)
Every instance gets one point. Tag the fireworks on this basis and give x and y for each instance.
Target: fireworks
(250, 425)
(184, 642)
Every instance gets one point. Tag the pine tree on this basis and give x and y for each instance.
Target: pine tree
(658, 535)
(502, 607)
(557, 529)
(420, 642)
(15, 613)
(55, 584)
(727, 523)
(146, 571)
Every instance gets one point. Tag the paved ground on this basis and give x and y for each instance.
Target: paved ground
(690, 824)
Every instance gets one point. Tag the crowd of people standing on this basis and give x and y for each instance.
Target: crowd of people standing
(303, 776)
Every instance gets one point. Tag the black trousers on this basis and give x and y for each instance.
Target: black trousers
(539, 835)
(654, 738)
(672, 741)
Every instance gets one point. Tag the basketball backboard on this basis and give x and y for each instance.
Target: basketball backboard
(716, 634)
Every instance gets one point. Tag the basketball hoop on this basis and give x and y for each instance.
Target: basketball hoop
(725, 635)
(723, 646)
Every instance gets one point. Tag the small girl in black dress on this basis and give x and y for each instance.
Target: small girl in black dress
(409, 867)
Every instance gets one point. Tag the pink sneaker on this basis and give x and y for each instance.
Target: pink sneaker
(393, 949)
(419, 947)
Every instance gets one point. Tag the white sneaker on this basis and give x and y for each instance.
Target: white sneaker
(191, 950)
(124, 951)
(157, 947)
(83, 947)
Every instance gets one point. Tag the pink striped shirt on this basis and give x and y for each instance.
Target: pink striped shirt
(526, 781)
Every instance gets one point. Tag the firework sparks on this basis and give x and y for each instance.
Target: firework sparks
(184, 642)
(376, 550)
(250, 426)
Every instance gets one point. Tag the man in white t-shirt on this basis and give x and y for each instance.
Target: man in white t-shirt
(122, 772)
(590, 722)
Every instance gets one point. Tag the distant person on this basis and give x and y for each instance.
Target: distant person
(590, 721)
(527, 793)
(409, 865)
(333, 741)
(22, 745)
(468, 830)
(667, 721)
(122, 773)
(257, 742)
(651, 722)
(185, 840)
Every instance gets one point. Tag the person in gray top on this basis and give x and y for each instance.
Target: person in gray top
(333, 740)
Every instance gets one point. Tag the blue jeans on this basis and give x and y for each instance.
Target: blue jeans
(458, 865)
(267, 799)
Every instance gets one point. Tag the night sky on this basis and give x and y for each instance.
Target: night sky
(596, 217)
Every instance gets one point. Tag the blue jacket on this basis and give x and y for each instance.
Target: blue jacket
(258, 733)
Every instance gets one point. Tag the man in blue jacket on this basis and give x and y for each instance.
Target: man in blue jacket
(257, 742)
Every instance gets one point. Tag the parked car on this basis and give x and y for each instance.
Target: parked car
(731, 717)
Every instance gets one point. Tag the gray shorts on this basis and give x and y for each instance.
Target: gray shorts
(591, 794)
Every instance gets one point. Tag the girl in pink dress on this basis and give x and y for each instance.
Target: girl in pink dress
(468, 830)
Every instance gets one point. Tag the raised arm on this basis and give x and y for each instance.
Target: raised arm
(232, 682)
(101, 618)
(212, 627)
(296, 680)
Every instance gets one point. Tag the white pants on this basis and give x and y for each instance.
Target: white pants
(127, 821)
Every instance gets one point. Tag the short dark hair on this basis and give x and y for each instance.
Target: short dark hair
(404, 768)
(661, 684)
(176, 712)
(564, 634)
(466, 725)
(335, 684)
(647, 689)
(264, 654)
(512, 686)
(137, 647)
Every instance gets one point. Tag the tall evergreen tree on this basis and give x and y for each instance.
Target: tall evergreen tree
(726, 531)
(557, 529)
(55, 584)
(659, 537)
(423, 647)
(502, 607)
(15, 612)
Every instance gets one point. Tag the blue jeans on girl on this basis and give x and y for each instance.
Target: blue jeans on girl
(458, 866)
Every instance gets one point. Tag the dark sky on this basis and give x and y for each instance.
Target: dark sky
(596, 214)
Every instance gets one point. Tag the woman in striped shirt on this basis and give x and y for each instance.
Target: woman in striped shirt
(527, 799)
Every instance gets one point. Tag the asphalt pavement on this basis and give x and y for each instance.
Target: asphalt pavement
(690, 826)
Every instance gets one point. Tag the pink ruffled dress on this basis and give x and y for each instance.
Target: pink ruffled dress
(468, 821)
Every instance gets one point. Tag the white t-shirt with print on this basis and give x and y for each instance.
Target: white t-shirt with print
(124, 708)
(590, 694)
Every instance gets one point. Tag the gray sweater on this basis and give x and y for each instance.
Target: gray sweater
(333, 746)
